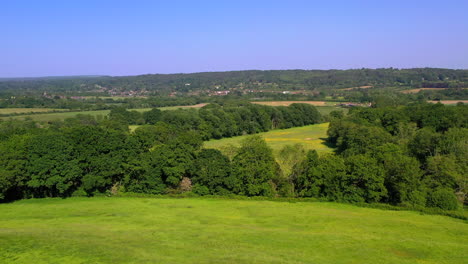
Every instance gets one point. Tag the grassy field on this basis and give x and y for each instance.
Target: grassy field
(195, 230)
(8, 111)
(312, 137)
(65, 115)
(325, 110)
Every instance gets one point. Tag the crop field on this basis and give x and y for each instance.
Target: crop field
(8, 111)
(210, 230)
(312, 137)
(64, 115)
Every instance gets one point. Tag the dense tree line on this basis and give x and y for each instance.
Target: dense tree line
(215, 121)
(408, 155)
(93, 103)
(82, 156)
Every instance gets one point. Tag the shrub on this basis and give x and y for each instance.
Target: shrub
(200, 190)
(443, 198)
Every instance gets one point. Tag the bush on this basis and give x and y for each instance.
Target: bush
(415, 199)
(79, 193)
(200, 190)
(443, 198)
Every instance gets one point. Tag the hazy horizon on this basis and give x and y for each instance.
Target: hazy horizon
(214, 71)
(113, 38)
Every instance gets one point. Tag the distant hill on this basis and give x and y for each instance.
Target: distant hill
(270, 80)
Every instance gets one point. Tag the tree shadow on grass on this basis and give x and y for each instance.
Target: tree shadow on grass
(329, 144)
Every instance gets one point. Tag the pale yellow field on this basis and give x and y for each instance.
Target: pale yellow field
(311, 137)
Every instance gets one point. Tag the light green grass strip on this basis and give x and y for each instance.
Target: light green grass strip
(193, 230)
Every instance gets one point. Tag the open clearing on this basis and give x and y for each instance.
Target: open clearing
(209, 230)
(312, 137)
(65, 115)
(8, 111)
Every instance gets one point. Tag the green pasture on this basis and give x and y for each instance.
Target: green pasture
(209, 230)
(325, 110)
(9, 111)
(311, 137)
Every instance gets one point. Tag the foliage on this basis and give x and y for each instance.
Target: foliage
(442, 198)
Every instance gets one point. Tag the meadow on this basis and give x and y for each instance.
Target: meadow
(311, 137)
(214, 230)
(9, 111)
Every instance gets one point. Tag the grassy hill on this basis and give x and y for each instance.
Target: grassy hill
(312, 137)
(196, 230)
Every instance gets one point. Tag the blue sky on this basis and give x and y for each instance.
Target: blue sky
(46, 38)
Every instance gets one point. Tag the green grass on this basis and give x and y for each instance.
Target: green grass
(196, 230)
(325, 110)
(9, 111)
(312, 137)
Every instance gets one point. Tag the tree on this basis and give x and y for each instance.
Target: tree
(152, 117)
(307, 181)
(211, 169)
(289, 156)
(364, 180)
(424, 144)
(253, 168)
(13, 178)
(403, 176)
(51, 167)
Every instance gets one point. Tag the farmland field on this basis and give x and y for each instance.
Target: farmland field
(65, 115)
(312, 137)
(209, 230)
(7, 111)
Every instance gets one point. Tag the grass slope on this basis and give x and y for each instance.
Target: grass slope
(149, 230)
(312, 137)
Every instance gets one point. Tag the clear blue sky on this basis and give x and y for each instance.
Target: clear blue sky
(45, 38)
